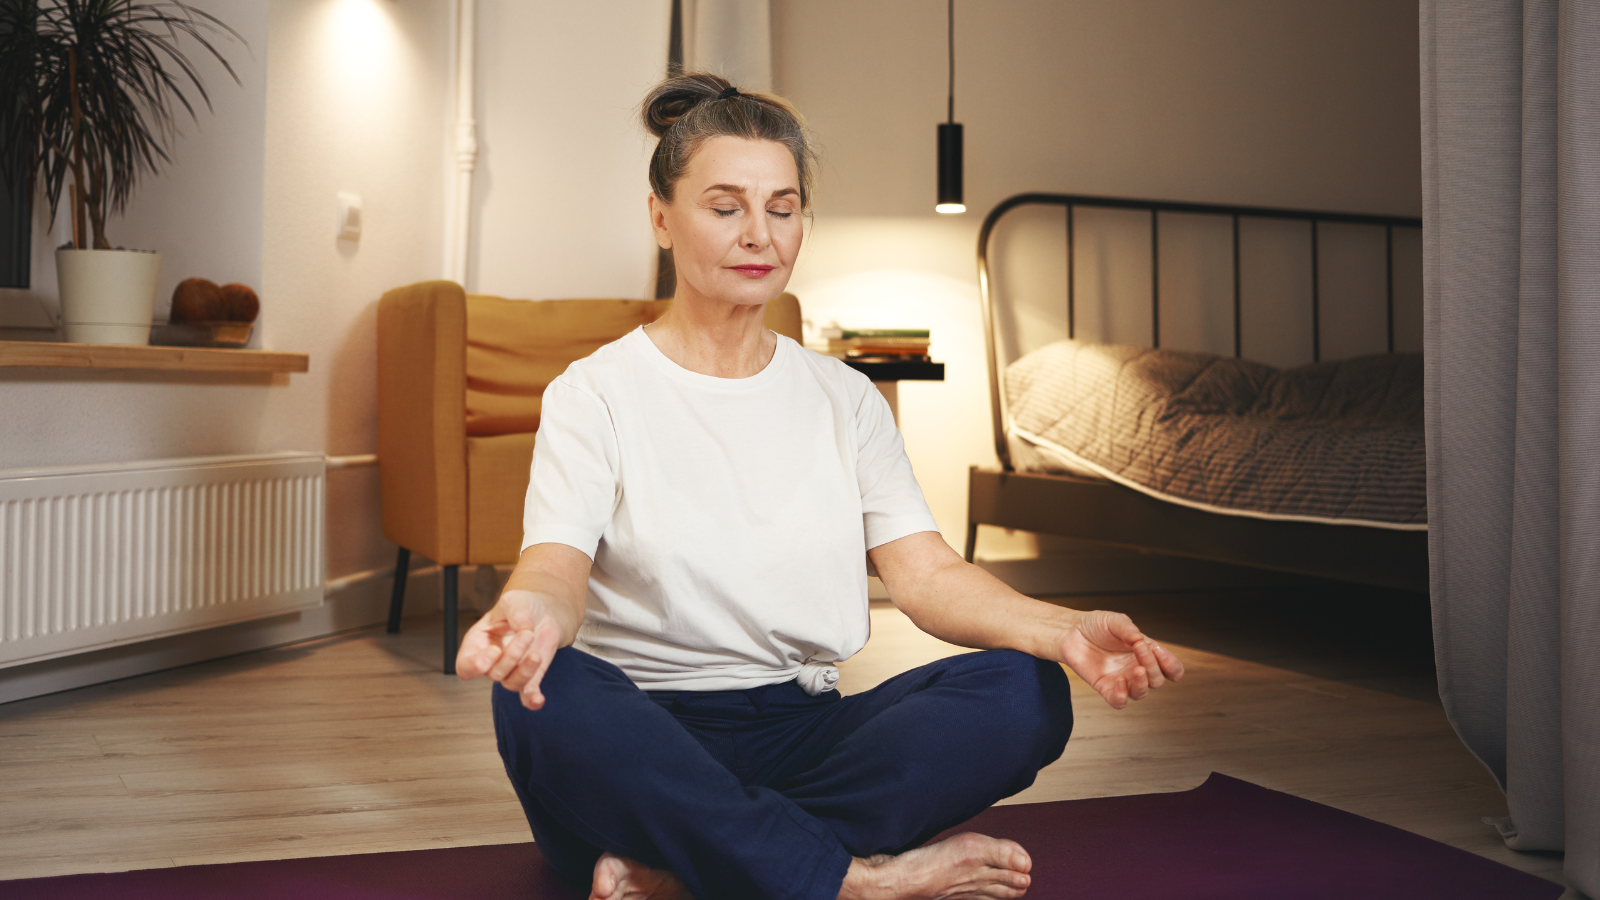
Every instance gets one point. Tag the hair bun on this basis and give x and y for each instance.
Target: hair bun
(674, 97)
(690, 101)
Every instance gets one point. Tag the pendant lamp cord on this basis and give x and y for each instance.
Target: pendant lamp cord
(952, 32)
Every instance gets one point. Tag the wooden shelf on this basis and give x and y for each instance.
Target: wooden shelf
(121, 356)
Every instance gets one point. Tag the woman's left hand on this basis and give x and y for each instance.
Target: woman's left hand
(1109, 652)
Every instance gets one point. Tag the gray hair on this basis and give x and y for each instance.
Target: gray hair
(687, 110)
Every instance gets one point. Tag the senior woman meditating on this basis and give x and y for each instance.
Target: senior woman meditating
(704, 497)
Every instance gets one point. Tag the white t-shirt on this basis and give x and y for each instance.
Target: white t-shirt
(727, 518)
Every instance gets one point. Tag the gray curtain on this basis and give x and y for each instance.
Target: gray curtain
(1511, 208)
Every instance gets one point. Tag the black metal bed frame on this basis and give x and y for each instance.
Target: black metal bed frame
(1103, 511)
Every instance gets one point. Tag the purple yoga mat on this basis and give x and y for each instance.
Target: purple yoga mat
(495, 872)
(1227, 839)
(1232, 840)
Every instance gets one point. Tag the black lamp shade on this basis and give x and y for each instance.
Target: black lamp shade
(950, 168)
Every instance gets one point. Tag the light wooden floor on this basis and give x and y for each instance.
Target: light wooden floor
(357, 744)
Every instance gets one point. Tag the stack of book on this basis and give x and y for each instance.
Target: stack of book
(897, 344)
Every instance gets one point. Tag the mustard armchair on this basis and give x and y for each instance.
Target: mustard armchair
(460, 377)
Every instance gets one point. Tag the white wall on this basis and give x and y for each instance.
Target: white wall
(205, 216)
(336, 95)
(561, 187)
(1310, 105)
(358, 100)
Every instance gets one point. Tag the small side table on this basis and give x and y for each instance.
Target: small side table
(887, 375)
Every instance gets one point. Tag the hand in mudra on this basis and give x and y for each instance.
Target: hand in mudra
(512, 644)
(1109, 652)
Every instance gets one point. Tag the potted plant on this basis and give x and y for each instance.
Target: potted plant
(90, 88)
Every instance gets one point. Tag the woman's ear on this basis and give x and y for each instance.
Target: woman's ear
(658, 222)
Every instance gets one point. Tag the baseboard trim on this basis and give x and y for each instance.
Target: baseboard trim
(358, 605)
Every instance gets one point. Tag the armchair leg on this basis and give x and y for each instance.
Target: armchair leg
(972, 540)
(450, 623)
(397, 600)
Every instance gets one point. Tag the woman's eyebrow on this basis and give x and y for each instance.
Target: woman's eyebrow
(739, 189)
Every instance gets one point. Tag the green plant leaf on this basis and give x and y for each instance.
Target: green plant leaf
(133, 74)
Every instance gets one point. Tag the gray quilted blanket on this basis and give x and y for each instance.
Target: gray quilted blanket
(1337, 441)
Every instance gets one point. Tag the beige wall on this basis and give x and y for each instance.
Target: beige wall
(1311, 105)
(560, 190)
(1305, 104)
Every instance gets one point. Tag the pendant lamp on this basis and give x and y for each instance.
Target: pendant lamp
(950, 139)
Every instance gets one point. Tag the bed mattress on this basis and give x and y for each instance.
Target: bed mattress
(1338, 442)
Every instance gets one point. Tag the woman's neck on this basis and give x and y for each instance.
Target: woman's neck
(710, 337)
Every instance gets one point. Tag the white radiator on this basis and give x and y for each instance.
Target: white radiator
(94, 556)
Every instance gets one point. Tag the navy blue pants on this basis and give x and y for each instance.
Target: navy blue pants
(768, 792)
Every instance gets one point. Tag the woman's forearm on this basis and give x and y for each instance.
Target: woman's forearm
(558, 578)
(963, 604)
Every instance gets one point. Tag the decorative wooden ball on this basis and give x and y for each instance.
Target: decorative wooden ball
(239, 303)
(195, 300)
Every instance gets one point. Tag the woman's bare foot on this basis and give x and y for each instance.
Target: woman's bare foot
(618, 878)
(964, 866)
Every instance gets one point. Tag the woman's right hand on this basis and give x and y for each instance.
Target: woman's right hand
(538, 614)
(513, 644)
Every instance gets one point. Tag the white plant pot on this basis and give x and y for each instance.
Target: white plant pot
(107, 296)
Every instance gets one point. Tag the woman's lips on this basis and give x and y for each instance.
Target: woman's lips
(752, 271)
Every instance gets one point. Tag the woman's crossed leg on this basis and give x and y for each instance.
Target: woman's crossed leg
(830, 797)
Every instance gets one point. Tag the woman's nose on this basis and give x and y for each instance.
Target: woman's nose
(755, 234)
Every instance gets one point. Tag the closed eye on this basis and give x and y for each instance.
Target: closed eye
(724, 213)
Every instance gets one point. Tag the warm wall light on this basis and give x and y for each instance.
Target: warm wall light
(363, 43)
(950, 199)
